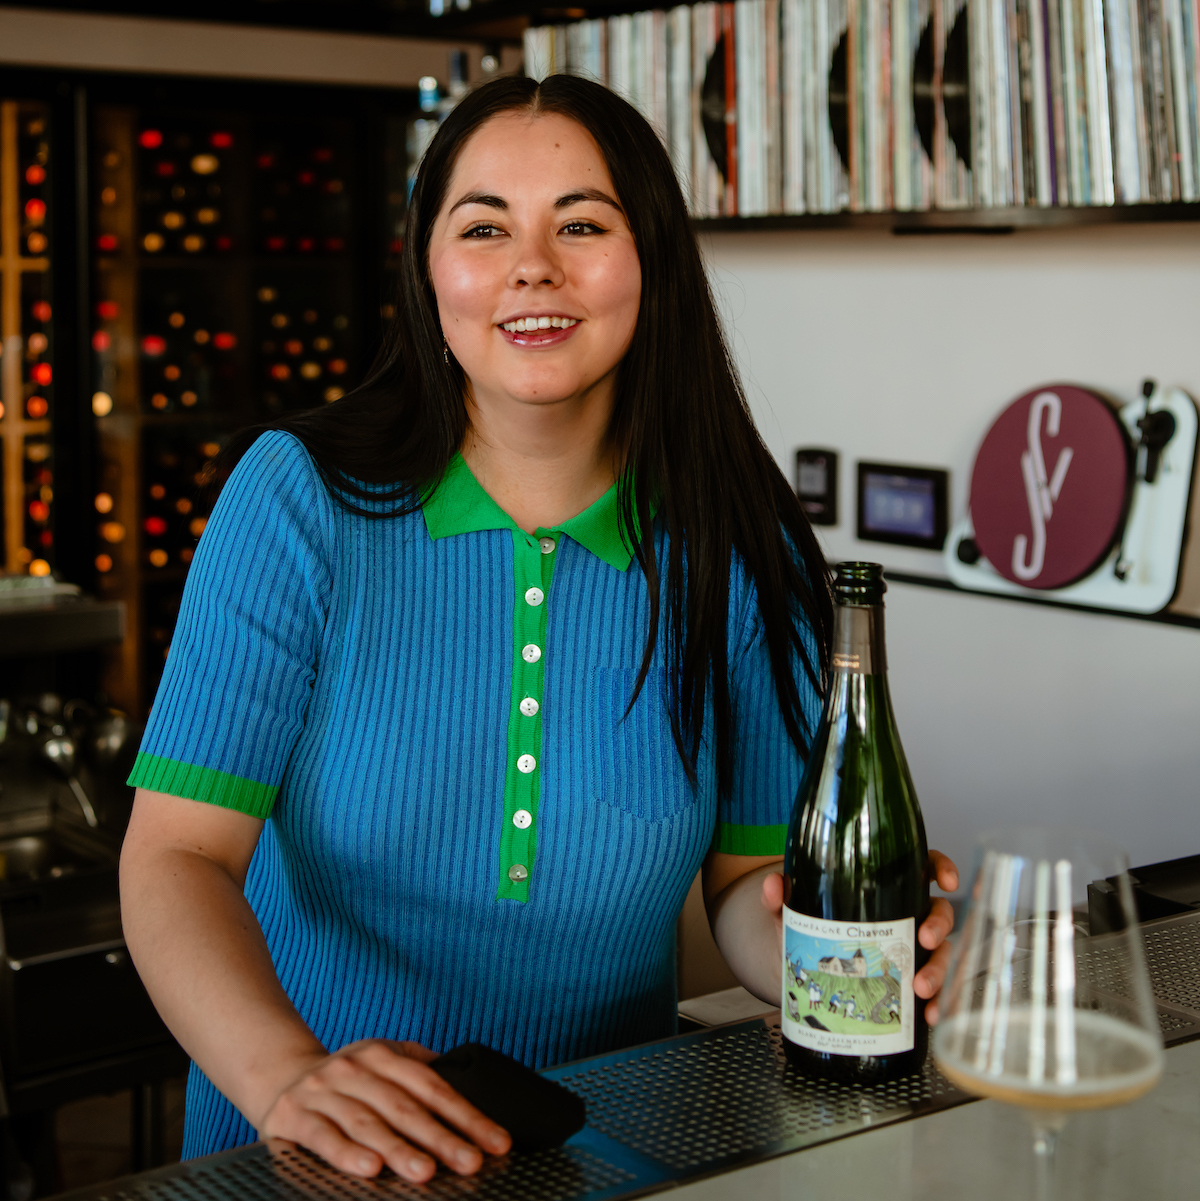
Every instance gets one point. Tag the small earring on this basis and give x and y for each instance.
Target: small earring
(445, 351)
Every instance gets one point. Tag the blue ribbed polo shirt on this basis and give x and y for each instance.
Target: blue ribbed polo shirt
(467, 839)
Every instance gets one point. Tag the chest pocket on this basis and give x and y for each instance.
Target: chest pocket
(633, 762)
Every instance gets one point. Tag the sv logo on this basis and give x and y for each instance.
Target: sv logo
(1041, 492)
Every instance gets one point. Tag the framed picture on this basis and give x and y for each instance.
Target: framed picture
(902, 505)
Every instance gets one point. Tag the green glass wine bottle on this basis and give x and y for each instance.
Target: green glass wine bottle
(856, 884)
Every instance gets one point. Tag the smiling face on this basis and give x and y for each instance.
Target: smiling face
(533, 265)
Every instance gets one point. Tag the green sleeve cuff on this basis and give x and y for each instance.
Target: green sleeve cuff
(203, 784)
(750, 840)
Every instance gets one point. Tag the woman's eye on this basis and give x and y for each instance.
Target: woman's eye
(577, 228)
(481, 231)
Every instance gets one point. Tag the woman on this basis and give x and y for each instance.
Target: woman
(506, 645)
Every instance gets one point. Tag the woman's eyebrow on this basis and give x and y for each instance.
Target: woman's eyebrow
(584, 194)
(496, 202)
(563, 202)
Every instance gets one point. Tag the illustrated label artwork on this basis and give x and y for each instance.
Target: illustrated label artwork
(847, 986)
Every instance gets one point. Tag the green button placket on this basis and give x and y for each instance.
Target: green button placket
(532, 568)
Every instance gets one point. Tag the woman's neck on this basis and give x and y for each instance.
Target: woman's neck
(542, 464)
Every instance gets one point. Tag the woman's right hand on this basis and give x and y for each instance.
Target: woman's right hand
(378, 1102)
(203, 958)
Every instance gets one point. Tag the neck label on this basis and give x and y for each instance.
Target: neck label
(858, 640)
(847, 986)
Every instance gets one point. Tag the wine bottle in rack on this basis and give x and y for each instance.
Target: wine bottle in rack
(162, 601)
(396, 182)
(183, 185)
(856, 884)
(188, 352)
(304, 340)
(422, 127)
(104, 363)
(301, 196)
(33, 167)
(37, 332)
(38, 548)
(110, 533)
(113, 191)
(174, 508)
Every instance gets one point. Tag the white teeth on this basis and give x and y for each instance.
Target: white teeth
(525, 324)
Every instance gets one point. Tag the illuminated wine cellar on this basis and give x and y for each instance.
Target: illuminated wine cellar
(27, 328)
(237, 274)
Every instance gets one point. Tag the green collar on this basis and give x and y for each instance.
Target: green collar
(459, 505)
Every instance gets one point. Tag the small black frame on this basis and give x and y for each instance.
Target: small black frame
(940, 481)
(820, 508)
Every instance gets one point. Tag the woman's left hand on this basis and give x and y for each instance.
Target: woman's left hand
(931, 934)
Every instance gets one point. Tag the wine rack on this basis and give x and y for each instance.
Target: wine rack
(27, 346)
(225, 291)
(303, 337)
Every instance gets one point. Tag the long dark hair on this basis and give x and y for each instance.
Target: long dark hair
(691, 449)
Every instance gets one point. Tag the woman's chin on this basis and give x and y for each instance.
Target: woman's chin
(537, 390)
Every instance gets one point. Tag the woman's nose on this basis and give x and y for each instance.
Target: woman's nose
(535, 262)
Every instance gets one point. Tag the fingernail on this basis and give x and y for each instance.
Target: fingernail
(418, 1164)
(365, 1163)
(467, 1159)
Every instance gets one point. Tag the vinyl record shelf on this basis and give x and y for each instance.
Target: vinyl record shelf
(961, 221)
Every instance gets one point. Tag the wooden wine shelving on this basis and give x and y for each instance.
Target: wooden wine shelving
(125, 273)
(118, 433)
(15, 427)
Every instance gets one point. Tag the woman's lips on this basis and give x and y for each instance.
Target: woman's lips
(535, 338)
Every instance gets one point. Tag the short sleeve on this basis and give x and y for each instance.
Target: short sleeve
(753, 818)
(242, 662)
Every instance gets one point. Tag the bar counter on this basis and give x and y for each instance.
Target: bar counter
(1148, 1151)
(950, 1149)
(720, 1114)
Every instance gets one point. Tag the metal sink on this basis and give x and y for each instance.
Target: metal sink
(44, 856)
(43, 851)
(60, 941)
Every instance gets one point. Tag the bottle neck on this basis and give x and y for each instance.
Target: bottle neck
(858, 641)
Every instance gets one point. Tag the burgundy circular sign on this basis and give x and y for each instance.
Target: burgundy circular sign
(1049, 486)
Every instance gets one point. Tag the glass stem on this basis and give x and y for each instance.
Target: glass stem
(1046, 1129)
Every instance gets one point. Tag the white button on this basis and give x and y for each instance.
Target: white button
(529, 706)
(518, 872)
(547, 545)
(534, 596)
(531, 653)
(526, 764)
(522, 819)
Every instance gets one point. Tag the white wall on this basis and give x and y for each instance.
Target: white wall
(903, 349)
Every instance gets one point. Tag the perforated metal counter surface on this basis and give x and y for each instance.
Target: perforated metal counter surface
(658, 1115)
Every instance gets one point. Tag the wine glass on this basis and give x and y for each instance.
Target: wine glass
(1040, 1011)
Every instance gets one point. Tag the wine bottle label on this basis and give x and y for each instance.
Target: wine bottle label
(847, 986)
(858, 641)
